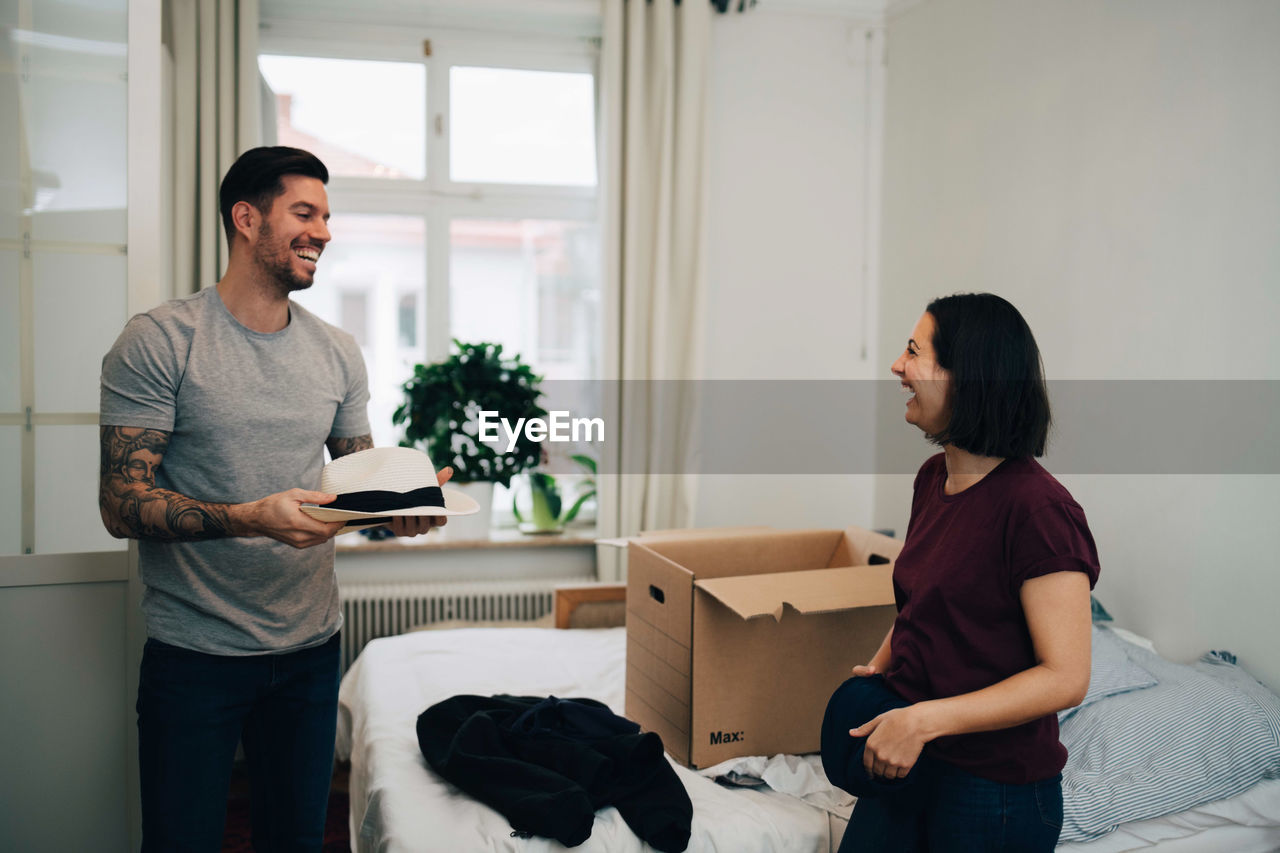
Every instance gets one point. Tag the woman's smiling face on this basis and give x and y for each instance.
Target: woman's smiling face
(929, 385)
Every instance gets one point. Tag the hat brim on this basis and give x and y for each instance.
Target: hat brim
(455, 503)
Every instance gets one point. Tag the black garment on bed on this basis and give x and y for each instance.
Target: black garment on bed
(547, 764)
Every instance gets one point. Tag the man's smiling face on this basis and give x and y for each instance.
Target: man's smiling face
(294, 233)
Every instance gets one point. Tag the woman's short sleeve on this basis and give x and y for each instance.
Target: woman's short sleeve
(1055, 538)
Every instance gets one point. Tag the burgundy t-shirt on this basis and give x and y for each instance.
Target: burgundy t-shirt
(960, 624)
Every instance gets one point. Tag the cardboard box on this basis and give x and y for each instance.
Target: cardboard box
(736, 638)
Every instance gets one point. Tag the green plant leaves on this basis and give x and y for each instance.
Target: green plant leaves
(443, 397)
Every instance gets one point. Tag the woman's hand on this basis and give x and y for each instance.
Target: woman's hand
(861, 671)
(894, 742)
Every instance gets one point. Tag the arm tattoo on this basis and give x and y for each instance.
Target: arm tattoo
(134, 507)
(342, 446)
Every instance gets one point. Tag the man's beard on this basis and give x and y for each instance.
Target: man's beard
(278, 265)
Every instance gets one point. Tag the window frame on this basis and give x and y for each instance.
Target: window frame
(438, 198)
(448, 48)
(438, 92)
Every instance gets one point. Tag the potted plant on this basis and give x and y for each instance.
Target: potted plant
(538, 510)
(439, 414)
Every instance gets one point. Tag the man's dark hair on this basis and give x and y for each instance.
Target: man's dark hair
(999, 400)
(255, 178)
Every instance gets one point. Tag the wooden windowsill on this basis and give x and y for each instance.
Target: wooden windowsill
(509, 537)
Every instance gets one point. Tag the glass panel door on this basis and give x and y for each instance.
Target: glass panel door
(63, 292)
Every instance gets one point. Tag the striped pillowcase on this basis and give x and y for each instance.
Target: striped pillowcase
(1203, 732)
(1111, 673)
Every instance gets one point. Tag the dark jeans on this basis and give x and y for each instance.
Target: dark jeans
(854, 702)
(938, 808)
(949, 810)
(192, 710)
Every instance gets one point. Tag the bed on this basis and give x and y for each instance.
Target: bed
(400, 805)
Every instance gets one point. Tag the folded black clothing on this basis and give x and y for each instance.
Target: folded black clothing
(547, 765)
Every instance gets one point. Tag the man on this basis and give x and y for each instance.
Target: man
(216, 410)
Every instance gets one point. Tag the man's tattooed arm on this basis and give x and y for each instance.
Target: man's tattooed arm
(342, 446)
(133, 507)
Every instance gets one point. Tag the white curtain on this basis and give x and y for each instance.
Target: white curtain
(654, 81)
(218, 114)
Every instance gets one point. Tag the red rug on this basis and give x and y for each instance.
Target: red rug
(238, 836)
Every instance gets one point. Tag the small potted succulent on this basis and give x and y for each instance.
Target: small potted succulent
(439, 415)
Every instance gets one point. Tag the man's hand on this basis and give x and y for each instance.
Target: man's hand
(894, 743)
(416, 525)
(278, 516)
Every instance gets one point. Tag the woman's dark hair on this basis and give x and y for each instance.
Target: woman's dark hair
(999, 400)
(255, 178)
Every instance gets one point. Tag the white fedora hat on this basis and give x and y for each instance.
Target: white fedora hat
(375, 484)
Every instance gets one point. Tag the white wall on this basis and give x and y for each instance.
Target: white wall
(1111, 168)
(789, 203)
(64, 660)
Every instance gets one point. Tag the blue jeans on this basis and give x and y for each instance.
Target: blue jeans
(949, 810)
(938, 807)
(192, 710)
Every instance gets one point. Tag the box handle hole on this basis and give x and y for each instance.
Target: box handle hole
(656, 594)
(877, 560)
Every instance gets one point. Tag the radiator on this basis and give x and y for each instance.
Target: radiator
(373, 610)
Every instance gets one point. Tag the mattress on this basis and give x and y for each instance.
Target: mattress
(399, 805)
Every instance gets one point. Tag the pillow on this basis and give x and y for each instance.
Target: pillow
(1206, 732)
(1130, 637)
(1111, 672)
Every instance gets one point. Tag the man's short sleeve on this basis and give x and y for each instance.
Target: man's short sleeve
(140, 378)
(352, 417)
(1055, 538)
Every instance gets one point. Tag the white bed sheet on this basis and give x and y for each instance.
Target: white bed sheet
(399, 805)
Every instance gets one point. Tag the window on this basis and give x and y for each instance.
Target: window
(530, 285)
(511, 126)
(363, 119)
(463, 190)
(353, 315)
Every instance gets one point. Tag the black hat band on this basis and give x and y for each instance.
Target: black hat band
(384, 501)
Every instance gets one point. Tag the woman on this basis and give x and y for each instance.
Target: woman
(992, 587)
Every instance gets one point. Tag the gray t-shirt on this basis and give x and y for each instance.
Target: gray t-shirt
(248, 415)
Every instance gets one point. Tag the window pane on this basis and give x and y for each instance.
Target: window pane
(521, 127)
(82, 19)
(407, 318)
(363, 119)
(532, 286)
(353, 315)
(78, 298)
(67, 516)
(376, 261)
(77, 92)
